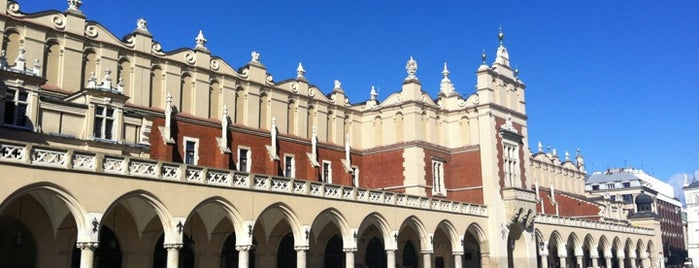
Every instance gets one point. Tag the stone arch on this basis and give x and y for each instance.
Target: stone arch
(11, 43)
(287, 214)
(474, 245)
(225, 209)
(123, 75)
(89, 65)
(159, 209)
(240, 100)
(291, 117)
(557, 249)
(336, 217)
(589, 250)
(399, 127)
(374, 238)
(451, 232)
(574, 246)
(72, 205)
(214, 98)
(603, 250)
(444, 242)
(187, 96)
(156, 96)
(652, 254)
(418, 226)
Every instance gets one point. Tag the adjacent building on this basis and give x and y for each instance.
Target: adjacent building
(625, 185)
(691, 198)
(116, 153)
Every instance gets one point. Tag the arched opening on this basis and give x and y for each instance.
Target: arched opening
(399, 128)
(18, 247)
(286, 255)
(239, 106)
(214, 100)
(409, 255)
(310, 122)
(375, 254)
(472, 251)
(124, 77)
(334, 257)
(89, 66)
(11, 43)
(554, 244)
(156, 98)
(51, 62)
(186, 94)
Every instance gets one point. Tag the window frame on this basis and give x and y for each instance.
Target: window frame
(248, 159)
(438, 188)
(355, 176)
(106, 120)
(289, 170)
(511, 161)
(195, 160)
(326, 174)
(16, 104)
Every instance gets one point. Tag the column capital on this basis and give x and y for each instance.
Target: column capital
(426, 251)
(348, 250)
(173, 246)
(87, 245)
(457, 253)
(243, 248)
(301, 248)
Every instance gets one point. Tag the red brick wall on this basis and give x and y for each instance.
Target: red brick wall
(209, 153)
(501, 171)
(464, 170)
(381, 169)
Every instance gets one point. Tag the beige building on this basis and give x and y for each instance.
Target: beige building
(116, 153)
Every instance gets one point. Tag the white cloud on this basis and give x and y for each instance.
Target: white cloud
(677, 182)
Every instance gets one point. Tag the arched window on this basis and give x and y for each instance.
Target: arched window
(214, 99)
(156, 88)
(10, 45)
(186, 94)
(52, 60)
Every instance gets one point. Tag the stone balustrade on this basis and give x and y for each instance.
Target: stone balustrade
(597, 225)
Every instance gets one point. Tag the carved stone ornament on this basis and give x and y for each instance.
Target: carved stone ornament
(156, 48)
(311, 92)
(215, 65)
(190, 58)
(245, 73)
(294, 87)
(59, 21)
(270, 79)
(398, 99)
(91, 31)
(13, 8)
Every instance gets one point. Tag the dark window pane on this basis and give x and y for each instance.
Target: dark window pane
(99, 111)
(9, 112)
(23, 96)
(22, 115)
(108, 129)
(98, 128)
(110, 112)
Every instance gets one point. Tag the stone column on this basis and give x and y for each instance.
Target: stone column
(349, 257)
(301, 256)
(173, 255)
(87, 253)
(243, 256)
(621, 261)
(579, 261)
(426, 259)
(632, 262)
(391, 258)
(458, 259)
(595, 261)
(544, 260)
(608, 261)
(485, 259)
(563, 261)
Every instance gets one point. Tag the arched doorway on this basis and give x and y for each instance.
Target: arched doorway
(186, 253)
(286, 256)
(334, 257)
(409, 255)
(375, 254)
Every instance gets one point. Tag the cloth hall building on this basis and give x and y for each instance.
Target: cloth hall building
(115, 153)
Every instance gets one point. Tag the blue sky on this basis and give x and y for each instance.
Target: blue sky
(617, 79)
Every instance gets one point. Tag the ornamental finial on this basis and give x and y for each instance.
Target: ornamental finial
(501, 35)
(483, 57)
(201, 41)
(373, 93)
(338, 84)
(300, 71)
(255, 56)
(445, 72)
(411, 68)
(74, 4)
(540, 147)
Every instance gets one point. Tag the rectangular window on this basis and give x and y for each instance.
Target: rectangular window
(191, 151)
(104, 123)
(244, 159)
(628, 198)
(327, 172)
(289, 169)
(511, 165)
(16, 103)
(610, 186)
(627, 184)
(438, 178)
(595, 187)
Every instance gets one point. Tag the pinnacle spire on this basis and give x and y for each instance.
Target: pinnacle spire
(446, 87)
(300, 71)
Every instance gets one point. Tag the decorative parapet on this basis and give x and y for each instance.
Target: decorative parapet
(597, 225)
(38, 157)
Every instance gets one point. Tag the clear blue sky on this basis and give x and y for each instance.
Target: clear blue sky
(617, 79)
